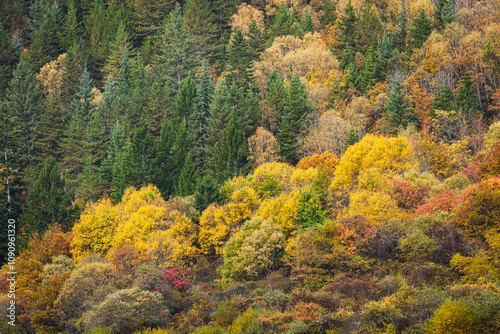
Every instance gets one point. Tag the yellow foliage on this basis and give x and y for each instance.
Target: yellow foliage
(481, 266)
(283, 210)
(377, 207)
(278, 171)
(303, 178)
(218, 223)
(390, 156)
(325, 160)
(244, 17)
(95, 230)
(51, 75)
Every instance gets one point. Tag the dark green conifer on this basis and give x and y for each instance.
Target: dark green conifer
(466, 98)
(352, 138)
(443, 99)
(329, 13)
(347, 25)
(50, 129)
(420, 30)
(398, 111)
(207, 192)
(201, 22)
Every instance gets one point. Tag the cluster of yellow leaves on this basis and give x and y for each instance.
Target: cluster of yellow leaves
(142, 218)
(376, 206)
(263, 147)
(244, 17)
(282, 209)
(51, 75)
(326, 160)
(218, 223)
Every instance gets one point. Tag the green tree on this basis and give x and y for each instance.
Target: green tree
(443, 99)
(206, 192)
(385, 54)
(256, 40)
(178, 57)
(292, 120)
(73, 67)
(49, 202)
(116, 50)
(466, 98)
(282, 23)
(36, 17)
(398, 111)
(369, 30)
(147, 17)
(445, 12)
(347, 25)
(420, 30)
(72, 27)
(142, 154)
(239, 62)
(352, 138)
(50, 130)
(401, 33)
(329, 13)
(201, 22)
(233, 154)
(23, 100)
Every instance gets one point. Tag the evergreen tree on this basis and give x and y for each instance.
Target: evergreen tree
(72, 28)
(282, 23)
(398, 111)
(368, 74)
(402, 31)
(294, 112)
(307, 23)
(49, 202)
(445, 12)
(156, 102)
(186, 183)
(117, 48)
(95, 34)
(178, 57)
(147, 17)
(275, 98)
(466, 98)
(142, 154)
(201, 22)
(82, 104)
(420, 30)
(352, 138)
(256, 40)
(239, 62)
(352, 78)
(6, 61)
(122, 173)
(443, 99)
(74, 153)
(329, 13)
(370, 30)
(23, 99)
(207, 192)
(384, 56)
(185, 100)
(161, 173)
(107, 104)
(347, 25)
(36, 17)
(50, 129)
(73, 67)
(95, 139)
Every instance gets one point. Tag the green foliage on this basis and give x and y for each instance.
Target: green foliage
(443, 99)
(420, 30)
(466, 98)
(398, 110)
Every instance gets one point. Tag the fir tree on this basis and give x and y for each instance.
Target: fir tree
(186, 183)
(466, 98)
(352, 78)
(384, 56)
(6, 61)
(347, 25)
(234, 150)
(239, 62)
(73, 68)
(201, 22)
(307, 23)
(122, 173)
(420, 30)
(282, 23)
(72, 28)
(156, 103)
(207, 192)
(352, 138)
(141, 154)
(445, 12)
(402, 31)
(256, 40)
(185, 100)
(49, 202)
(329, 13)
(82, 104)
(294, 112)
(398, 111)
(162, 165)
(95, 33)
(107, 104)
(147, 17)
(23, 99)
(178, 57)
(443, 99)
(50, 129)
(368, 74)
(370, 30)
(36, 17)
(117, 48)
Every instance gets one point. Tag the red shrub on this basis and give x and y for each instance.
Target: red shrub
(445, 200)
(407, 195)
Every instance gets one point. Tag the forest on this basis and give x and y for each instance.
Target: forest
(270, 166)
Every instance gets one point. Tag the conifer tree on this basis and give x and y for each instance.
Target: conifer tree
(74, 152)
(347, 25)
(49, 202)
(282, 23)
(36, 17)
(82, 104)
(368, 74)
(443, 99)
(398, 111)
(307, 23)
(142, 154)
(117, 48)
(329, 13)
(107, 104)
(445, 12)
(370, 30)
(234, 150)
(7, 60)
(256, 40)
(73, 67)
(156, 102)
(206, 192)
(185, 100)
(161, 171)
(72, 28)
(384, 56)
(96, 139)
(352, 77)
(466, 98)
(95, 33)
(186, 182)
(122, 171)
(352, 138)
(401, 33)
(178, 57)
(201, 22)
(292, 120)
(420, 30)
(23, 99)
(50, 129)
(239, 62)
(147, 17)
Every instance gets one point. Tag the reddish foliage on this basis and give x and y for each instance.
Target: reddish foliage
(471, 173)
(173, 279)
(445, 200)
(360, 289)
(126, 259)
(355, 233)
(489, 162)
(407, 195)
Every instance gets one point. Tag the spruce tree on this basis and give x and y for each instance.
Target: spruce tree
(329, 13)
(95, 34)
(185, 100)
(292, 120)
(466, 98)
(282, 23)
(122, 172)
(50, 129)
(401, 33)
(307, 23)
(82, 104)
(201, 22)
(147, 17)
(445, 12)
(49, 202)
(23, 99)
(206, 192)
(398, 110)
(420, 30)
(352, 138)
(256, 40)
(107, 104)
(186, 183)
(368, 75)
(234, 150)
(156, 102)
(72, 28)
(443, 99)
(370, 30)
(385, 54)
(36, 17)
(142, 154)
(117, 48)
(178, 56)
(347, 25)
(162, 164)
(239, 63)
(73, 67)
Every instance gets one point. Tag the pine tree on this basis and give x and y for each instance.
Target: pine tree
(239, 63)
(49, 202)
(443, 99)
(256, 40)
(201, 22)
(50, 129)
(178, 57)
(207, 192)
(347, 25)
(466, 98)
(329, 13)
(352, 138)
(147, 17)
(420, 30)
(72, 28)
(294, 112)
(398, 111)
(117, 48)
(23, 99)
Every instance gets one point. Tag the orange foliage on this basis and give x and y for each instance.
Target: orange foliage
(489, 161)
(445, 200)
(325, 160)
(355, 233)
(407, 195)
